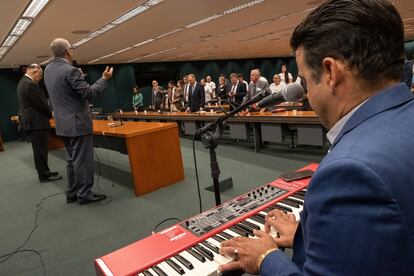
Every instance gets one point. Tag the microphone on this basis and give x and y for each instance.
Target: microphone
(256, 98)
(292, 93)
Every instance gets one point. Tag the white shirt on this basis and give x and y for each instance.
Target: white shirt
(186, 91)
(277, 88)
(211, 84)
(28, 76)
(208, 92)
(282, 77)
(336, 129)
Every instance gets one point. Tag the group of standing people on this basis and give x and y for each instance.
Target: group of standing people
(189, 95)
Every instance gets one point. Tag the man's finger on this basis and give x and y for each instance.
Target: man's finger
(227, 251)
(229, 266)
(260, 233)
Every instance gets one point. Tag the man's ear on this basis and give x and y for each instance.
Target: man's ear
(332, 72)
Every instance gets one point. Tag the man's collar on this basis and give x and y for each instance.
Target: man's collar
(336, 129)
(29, 76)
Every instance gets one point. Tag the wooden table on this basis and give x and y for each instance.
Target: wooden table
(267, 126)
(153, 149)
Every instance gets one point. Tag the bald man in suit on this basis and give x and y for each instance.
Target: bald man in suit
(34, 118)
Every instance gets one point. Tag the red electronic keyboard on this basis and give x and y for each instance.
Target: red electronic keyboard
(192, 247)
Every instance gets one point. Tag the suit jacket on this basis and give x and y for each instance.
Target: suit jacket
(158, 97)
(69, 94)
(358, 217)
(255, 88)
(241, 91)
(34, 110)
(178, 97)
(197, 98)
(222, 92)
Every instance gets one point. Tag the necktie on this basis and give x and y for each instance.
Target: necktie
(233, 89)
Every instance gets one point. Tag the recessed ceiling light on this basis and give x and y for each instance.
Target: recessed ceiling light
(81, 32)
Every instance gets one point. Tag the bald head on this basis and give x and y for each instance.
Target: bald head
(59, 47)
(35, 72)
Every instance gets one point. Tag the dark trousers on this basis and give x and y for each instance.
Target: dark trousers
(39, 139)
(80, 167)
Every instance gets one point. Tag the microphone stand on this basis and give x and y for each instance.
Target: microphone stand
(209, 139)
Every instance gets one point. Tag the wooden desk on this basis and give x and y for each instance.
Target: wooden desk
(153, 149)
(273, 126)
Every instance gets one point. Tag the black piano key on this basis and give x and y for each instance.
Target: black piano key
(196, 255)
(159, 271)
(246, 228)
(175, 266)
(184, 262)
(283, 208)
(226, 235)
(218, 238)
(211, 246)
(261, 216)
(147, 273)
(251, 225)
(258, 219)
(291, 198)
(290, 203)
(303, 193)
(205, 252)
(240, 231)
(298, 196)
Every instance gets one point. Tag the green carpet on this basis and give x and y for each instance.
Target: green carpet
(69, 236)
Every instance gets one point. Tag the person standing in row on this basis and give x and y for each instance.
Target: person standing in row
(158, 96)
(174, 97)
(35, 114)
(238, 90)
(285, 76)
(137, 98)
(196, 95)
(69, 94)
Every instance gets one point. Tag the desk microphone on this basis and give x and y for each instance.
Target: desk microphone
(292, 93)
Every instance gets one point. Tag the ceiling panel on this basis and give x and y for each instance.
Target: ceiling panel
(262, 30)
(10, 12)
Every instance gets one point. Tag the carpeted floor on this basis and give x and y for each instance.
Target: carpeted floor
(69, 236)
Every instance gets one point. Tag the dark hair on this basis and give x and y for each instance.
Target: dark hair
(171, 82)
(368, 35)
(239, 75)
(137, 88)
(287, 80)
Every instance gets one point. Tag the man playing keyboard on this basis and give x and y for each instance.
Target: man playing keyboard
(358, 217)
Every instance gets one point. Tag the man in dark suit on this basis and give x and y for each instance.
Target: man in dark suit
(238, 90)
(35, 114)
(69, 94)
(158, 96)
(196, 95)
(358, 216)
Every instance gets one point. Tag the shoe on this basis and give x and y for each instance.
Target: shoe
(54, 173)
(91, 199)
(51, 178)
(71, 199)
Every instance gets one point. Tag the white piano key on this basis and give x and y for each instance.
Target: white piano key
(168, 269)
(199, 267)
